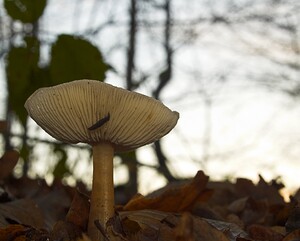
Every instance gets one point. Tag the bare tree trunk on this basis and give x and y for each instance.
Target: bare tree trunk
(164, 78)
(131, 45)
(166, 75)
(163, 168)
(8, 117)
(7, 131)
(132, 163)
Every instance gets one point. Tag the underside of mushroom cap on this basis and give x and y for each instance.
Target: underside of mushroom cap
(91, 111)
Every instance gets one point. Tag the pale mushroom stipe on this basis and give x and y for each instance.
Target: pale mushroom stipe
(109, 119)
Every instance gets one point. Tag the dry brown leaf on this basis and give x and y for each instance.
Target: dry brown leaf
(262, 233)
(178, 199)
(281, 213)
(54, 206)
(83, 238)
(231, 230)
(25, 187)
(184, 231)
(53, 201)
(76, 220)
(78, 213)
(144, 225)
(205, 210)
(223, 193)
(293, 236)
(7, 163)
(251, 211)
(17, 232)
(262, 190)
(206, 231)
(22, 211)
(13, 232)
(279, 229)
(202, 229)
(63, 230)
(293, 221)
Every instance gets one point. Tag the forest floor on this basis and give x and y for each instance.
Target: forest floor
(193, 210)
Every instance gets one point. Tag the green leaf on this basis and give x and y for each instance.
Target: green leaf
(27, 11)
(25, 155)
(22, 63)
(75, 58)
(61, 167)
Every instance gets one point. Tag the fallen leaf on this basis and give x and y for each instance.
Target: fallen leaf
(22, 211)
(157, 225)
(262, 190)
(205, 210)
(7, 163)
(251, 211)
(17, 232)
(25, 187)
(178, 199)
(63, 230)
(184, 231)
(83, 238)
(293, 236)
(13, 232)
(223, 193)
(54, 205)
(78, 213)
(261, 233)
(231, 230)
(142, 225)
(293, 221)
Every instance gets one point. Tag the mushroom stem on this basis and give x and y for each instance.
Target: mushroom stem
(102, 197)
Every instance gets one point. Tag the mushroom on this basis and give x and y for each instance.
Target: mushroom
(106, 117)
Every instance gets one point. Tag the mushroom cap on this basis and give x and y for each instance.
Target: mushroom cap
(91, 111)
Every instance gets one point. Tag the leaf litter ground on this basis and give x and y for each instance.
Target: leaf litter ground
(193, 210)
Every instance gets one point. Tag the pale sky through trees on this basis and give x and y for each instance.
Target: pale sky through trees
(232, 75)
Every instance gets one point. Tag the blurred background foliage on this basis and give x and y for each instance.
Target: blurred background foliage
(152, 46)
(72, 57)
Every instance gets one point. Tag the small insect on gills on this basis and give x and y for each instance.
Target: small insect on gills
(99, 123)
